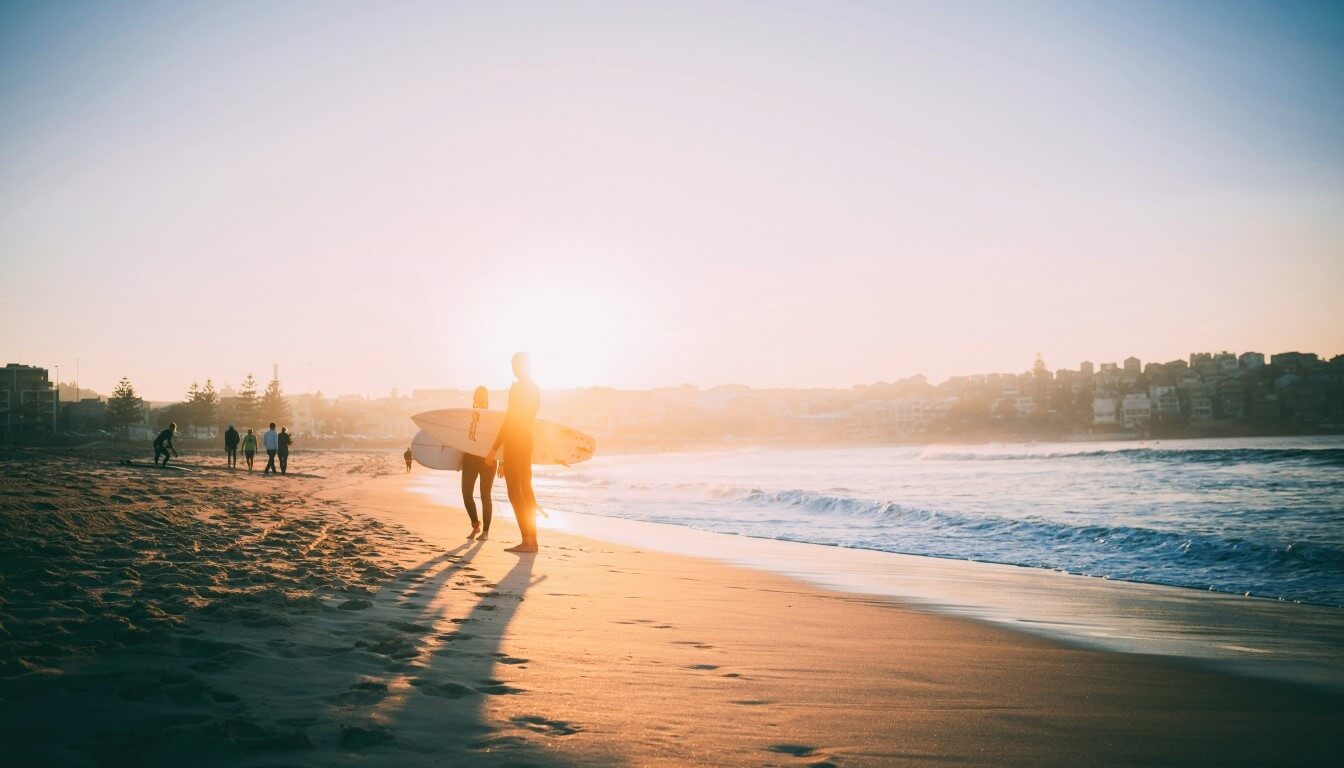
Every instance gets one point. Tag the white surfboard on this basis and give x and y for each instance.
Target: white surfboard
(473, 431)
(433, 454)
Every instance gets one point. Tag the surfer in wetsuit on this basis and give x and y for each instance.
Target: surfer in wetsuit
(163, 443)
(474, 467)
(516, 440)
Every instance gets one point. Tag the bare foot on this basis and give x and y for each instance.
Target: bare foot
(475, 529)
(522, 548)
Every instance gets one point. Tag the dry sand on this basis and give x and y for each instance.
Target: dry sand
(173, 618)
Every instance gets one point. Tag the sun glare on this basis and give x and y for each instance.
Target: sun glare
(574, 330)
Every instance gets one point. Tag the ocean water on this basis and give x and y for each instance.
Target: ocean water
(1258, 516)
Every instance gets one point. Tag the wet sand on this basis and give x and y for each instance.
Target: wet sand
(164, 618)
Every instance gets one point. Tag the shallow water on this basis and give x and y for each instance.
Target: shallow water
(1264, 516)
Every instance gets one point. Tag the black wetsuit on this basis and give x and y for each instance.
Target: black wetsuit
(161, 445)
(524, 402)
(474, 467)
(231, 446)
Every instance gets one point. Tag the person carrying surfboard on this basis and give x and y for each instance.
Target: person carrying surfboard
(516, 440)
(474, 467)
(164, 442)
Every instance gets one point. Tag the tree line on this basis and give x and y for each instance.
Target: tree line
(203, 406)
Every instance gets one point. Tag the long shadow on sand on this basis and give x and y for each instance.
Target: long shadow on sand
(438, 697)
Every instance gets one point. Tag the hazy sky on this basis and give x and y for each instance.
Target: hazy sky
(403, 194)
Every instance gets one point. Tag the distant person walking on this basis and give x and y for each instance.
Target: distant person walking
(249, 448)
(284, 439)
(164, 443)
(270, 440)
(516, 440)
(231, 446)
(474, 467)
(408, 455)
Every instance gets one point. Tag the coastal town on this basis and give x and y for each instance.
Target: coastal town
(1207, 395)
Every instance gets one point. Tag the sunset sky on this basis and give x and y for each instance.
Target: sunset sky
(379, 195)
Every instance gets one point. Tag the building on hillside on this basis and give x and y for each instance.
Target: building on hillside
(1086, 368)
(1136, 410)
(1297, 363)
(1103, 411)
(1230, 400)
(1227, 364)
(1201, 406)
(1166, 402)
(1133, 365)
(1188, 381)
(1251, 360)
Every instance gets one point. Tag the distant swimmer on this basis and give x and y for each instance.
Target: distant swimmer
(474, 467)
(516, 440)
(249, 448)
(164, 443)
(408, 456)
(270, 440)
(231, 446)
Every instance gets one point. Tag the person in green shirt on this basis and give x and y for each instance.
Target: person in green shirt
(249, 448)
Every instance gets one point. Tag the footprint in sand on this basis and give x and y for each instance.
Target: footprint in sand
(703, 666)
(364, 692)
(493, 687)
(405, 626)
(504, 658)
(797, 750)
(445, 690)
(355, 737)
(545, 726)
(355, 604)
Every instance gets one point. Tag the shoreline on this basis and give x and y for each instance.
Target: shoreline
(1261, 637)
(214, 618)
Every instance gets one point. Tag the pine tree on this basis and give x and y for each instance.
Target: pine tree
(273, 405)
(246, 408)
(124, 407)
(208, 406)
(193, 406)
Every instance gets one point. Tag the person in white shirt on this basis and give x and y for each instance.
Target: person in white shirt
(271, 440)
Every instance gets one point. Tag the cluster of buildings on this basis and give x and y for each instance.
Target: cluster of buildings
(1207, 394)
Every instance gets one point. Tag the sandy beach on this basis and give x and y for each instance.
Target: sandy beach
(156, 617)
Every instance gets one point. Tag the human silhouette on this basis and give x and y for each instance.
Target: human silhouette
(231, 446)
(249, 448)
(408, 455)
(283, 441)
(271, 441)
(474, 467)
(516, 440)
(164, 443)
